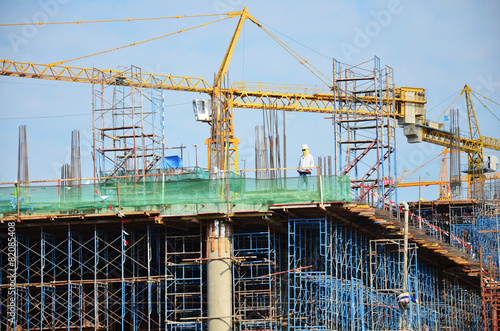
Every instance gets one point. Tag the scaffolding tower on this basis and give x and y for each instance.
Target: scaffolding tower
(486, 237)
(364, 133)
(128, 125)
(459, 304)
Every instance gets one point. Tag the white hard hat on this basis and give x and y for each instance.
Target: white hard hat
(305, 147)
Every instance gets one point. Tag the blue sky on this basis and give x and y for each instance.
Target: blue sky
(437, 45)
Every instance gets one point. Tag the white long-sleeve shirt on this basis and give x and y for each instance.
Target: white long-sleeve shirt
(306, 163)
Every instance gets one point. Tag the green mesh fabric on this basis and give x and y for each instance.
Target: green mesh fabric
(169, 190)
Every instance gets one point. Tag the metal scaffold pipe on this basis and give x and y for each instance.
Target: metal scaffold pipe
(405, 248)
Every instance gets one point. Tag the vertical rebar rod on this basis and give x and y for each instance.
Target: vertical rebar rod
(257, 151)
(284, 145)
(76, 165)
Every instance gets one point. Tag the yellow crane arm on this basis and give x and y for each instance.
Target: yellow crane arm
(311, 98)
(442, 138)
(89, 75)
(491, 143)
(487, 176)
(422, 183)
(315, 103)
(245, 95)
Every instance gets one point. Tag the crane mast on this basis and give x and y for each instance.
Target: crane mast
(222, 145)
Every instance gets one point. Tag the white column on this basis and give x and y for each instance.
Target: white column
(219, 273)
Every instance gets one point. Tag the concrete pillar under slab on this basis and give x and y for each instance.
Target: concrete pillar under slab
(219, 274)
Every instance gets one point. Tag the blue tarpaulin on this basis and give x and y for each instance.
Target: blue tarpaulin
(173, 161)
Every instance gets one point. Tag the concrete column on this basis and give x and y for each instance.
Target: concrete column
(219, 273)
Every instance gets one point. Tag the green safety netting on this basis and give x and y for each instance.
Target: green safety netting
(167, 190)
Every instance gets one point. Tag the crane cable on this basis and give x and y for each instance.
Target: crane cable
(450, 106)
(419, 167)
(298, 42)
(140, 42)
(299, 58)
(475, 96)
(454, 93)
(108, 21)
(496, 103)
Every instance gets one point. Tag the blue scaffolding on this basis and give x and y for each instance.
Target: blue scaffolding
(317, 275)
(103, 279)
(257, 288)
(340, 280)
(460, 305)
(310, 257)
(387, 282)
(184, 282)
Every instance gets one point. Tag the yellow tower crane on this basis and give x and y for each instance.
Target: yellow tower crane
(222, 143)
(405, 104)
(473, 145)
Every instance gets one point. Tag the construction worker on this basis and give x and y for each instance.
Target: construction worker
(306, 165)
(404, 305)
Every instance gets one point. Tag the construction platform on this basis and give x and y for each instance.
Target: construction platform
(137, 255)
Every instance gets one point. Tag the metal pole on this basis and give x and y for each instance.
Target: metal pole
(419, 199)
(405, 248)
(405, 255)
(496, 234)
(18, 191)
(196, 153)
